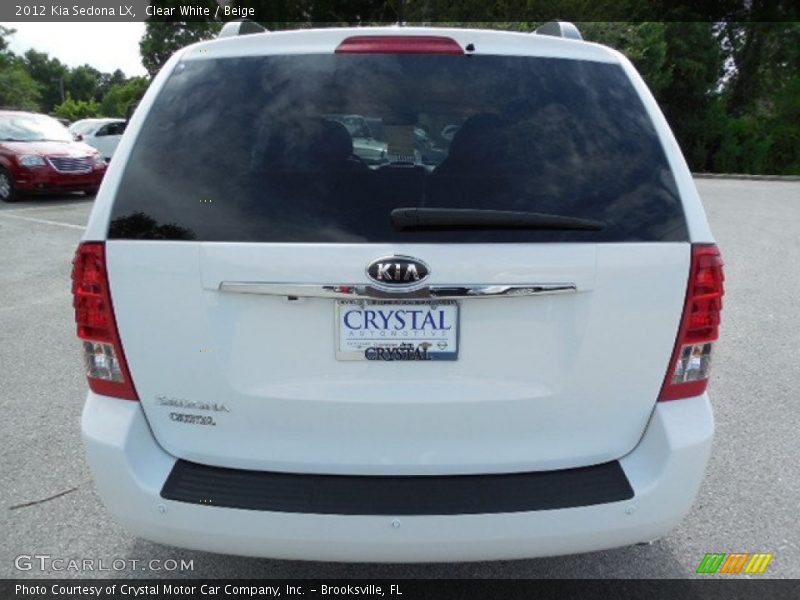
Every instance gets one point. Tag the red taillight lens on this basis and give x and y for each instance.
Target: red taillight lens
(103, 357)
(399, 44)
(689, 367)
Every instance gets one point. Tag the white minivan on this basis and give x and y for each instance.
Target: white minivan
(500, 351)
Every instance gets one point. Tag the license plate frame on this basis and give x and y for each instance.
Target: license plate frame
(354, 348)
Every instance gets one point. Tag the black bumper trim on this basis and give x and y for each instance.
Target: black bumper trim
(396, 495)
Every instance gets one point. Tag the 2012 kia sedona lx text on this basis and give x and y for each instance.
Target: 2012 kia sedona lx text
(398, 294)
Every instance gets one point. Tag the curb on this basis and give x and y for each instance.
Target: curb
(746, 176)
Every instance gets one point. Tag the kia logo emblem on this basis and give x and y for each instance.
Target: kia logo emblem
(398, 271)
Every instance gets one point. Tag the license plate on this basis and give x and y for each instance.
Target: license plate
(396, 331)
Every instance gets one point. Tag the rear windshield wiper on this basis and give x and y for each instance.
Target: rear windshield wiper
(469, 218)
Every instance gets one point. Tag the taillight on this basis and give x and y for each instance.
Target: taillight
(399, 44)
(103, 357)
(691, 359)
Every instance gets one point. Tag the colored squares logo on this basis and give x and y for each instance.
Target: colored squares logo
(737, 562)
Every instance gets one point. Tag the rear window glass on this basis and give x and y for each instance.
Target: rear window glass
(321, 148)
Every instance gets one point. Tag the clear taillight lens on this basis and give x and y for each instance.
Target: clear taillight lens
(694, 363)
(101, 361)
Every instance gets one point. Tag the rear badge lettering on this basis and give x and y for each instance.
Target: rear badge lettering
(402, 352)
(191, 419)
(192, 404)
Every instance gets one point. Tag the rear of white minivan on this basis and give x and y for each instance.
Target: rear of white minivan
(314, 327)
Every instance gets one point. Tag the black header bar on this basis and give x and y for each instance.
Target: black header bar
(292, 13)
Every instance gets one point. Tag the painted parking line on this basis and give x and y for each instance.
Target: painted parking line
(42, 221)
(4, 210)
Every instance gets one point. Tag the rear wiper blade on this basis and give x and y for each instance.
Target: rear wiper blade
(468, 218)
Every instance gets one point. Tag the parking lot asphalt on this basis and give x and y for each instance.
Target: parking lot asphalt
(748, 502)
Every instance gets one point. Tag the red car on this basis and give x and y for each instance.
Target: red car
(38, 154)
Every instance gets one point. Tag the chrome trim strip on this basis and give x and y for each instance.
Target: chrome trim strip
(369, 292)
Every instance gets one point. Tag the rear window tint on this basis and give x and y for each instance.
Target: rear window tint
(321, 148)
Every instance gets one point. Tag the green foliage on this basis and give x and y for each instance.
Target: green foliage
(49, 73)
(108, 80)
(83, 83)
(17, 88)
(783, 156)
(695, 63)
(768, 142)
(73, 110)
(40, 83)
(765, 56)
(120, 96)
(162, 38)
(5, 32)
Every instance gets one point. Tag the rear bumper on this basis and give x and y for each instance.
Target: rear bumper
(664, 470)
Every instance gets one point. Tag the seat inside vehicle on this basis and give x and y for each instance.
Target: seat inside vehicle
(475, 173)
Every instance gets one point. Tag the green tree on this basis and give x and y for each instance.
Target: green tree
(50, 74)
(162, 38)
(5, 33)
(73, 110)
(121, 96)
(108, 80)
(695, 62)
(83, 83)
(744, 146)
(764, 57)
(17, 87)
(762, 99)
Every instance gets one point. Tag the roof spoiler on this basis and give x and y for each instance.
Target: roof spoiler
(240, 27)
(563, 29)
